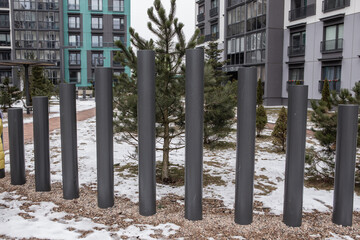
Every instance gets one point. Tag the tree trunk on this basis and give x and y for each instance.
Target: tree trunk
(166, 148)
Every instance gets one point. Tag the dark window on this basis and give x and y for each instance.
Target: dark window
(5, 39)
(97, 59)
(297, 43)
(75, 76)
(5, 56)
(74, 58)
(296, 76)
(4, 21)
(235, 51)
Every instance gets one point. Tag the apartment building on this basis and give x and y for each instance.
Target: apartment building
(90, 29)
(321, 41)
(76, 35)
(5, 38)
(210, 20)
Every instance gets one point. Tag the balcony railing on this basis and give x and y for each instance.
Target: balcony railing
(294, 82)
(331, 5)
(4, 4)
(296, 50)
(74, 7)
(48, 6)
(116, 8)
(5, 43)
(303, 12)
(212, 37)
(214, 12)
(200, 17)
(234, 2)
(25, 44)
(5, 24)
(332, 45)
(49, 44)
(75, 44)
(334, 85)
(74, 62)
(75, 80)
(25, 24)
(25, 5)
(95, 8)
(49, 26)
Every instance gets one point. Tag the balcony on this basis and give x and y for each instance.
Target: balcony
(116, 8)
(294, 82)
(234, 2)
(74, 7)
(200, 17)
(298, 50)
(25, 44)
(49, 26)
(214, 12)
(334, 85)
(331, 5)
(212, 37)
(49, 44)
(4, 4)
(303, 12)
(5, 24)
(335, 45)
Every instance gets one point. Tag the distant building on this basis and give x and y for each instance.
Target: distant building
(75, 35)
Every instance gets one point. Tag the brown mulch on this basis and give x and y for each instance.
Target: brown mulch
(217, 220)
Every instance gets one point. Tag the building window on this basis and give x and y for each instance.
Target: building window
(256, 15)
(96, 5)
(5, 55)
(53, 76)
(97, 59)
(118, 24)
(118, 6)
(119, 38)
(330, 5)
(49, 39)
(48, 20)
(214, 29)
(74, 4)
(214, 4)
(25, 20)
(5, 74)
(333, 38)
(4, 21)
(235, 51)
(236, 21)
(96, 41)
(25, 54)
(74, 58)
(201, 9)
(74, 40)
(75, 76)
(202, 31)
(4, 3)
(255, 47)
(49, 55)
(296, 76)
(333, 75)
(297, 43)
(25, 4)
(96, 23)
(115, 63)
(74, 22)
(5, 39)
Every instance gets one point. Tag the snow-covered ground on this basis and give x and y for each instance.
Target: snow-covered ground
(269, 185)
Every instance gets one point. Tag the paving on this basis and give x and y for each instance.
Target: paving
(54, 124)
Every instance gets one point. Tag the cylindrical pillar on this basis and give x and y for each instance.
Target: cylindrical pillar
(69, 141)
(146, 130)
(295, 155)
(41, 143)
(16, 146)
(104, 137)
(347, 130)
(245, 153)
(194, 122)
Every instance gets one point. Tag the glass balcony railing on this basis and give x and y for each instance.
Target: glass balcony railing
(332, 45)
(200, 17)
(296, 50)
(331, 5)
(303, 12)
(214, 12)
(294, 82)
(25, 44)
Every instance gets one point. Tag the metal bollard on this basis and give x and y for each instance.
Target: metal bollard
(104, 137)
(295, 155)
(146, 126)
(16, 146)
(41, 143)
(346, 141)
(245, 154)
(194, 124)
(69, 141)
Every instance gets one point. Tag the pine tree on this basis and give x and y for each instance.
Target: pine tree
(261, 120)
(8, 94)
(169, 48)
(40, 85)
(259, 93)
(280, 130)
(325, 94)
(219, 97)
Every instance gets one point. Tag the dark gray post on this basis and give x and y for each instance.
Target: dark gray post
(84, 93)
(104, 137)
(194, 121)
(245, 153)
(16, 146)
(295, 155)
(146, 125)
(41, 143)
(69, 141)
(347, 129)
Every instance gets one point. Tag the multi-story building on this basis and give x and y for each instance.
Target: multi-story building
(253, 38)
(90, 30)
(77, 36)
(321, 41)
(5, 39)
(210, 20)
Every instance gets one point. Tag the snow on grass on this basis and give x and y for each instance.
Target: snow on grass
(41, 221)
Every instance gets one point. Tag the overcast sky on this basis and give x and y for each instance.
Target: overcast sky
(185, 12)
